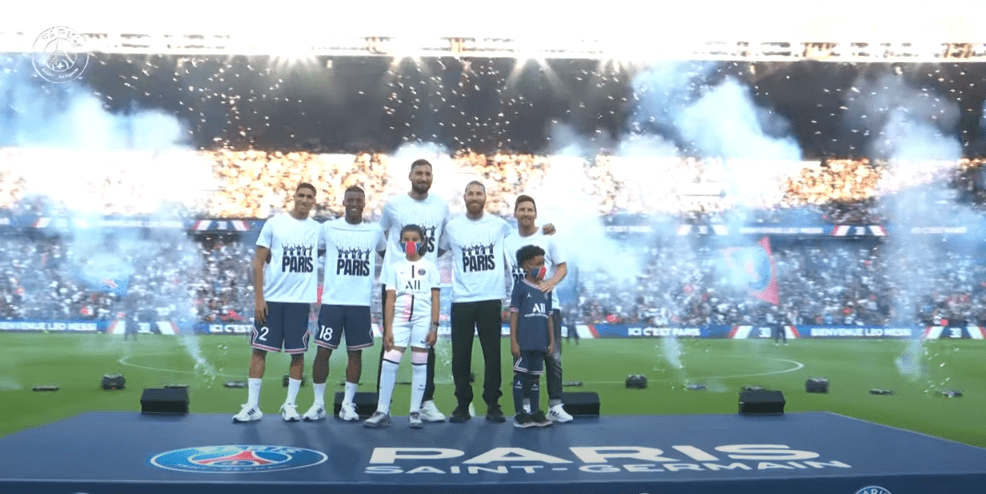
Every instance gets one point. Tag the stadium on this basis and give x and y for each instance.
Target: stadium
(746, 201)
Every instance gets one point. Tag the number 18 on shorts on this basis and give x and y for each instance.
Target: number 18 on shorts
(351, 320)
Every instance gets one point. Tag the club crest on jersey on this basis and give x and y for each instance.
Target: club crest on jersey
(237, 459)
(421, 272)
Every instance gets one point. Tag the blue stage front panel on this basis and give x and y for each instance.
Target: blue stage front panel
(806, 453)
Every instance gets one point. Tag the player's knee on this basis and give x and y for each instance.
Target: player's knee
(393, 355)
(419, 358)
(355, 355)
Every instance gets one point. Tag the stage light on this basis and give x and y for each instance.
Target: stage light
(881, 392)
(636, 381)
(164, 401)
(113, 382)
(45, 388)
(235, 384)
(817, 385)
(761, 402)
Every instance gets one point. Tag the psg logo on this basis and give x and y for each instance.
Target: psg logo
(758, 268)
(421, 272)
(237, 459)
(873, 490)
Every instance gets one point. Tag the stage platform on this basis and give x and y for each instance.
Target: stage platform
(804, 453)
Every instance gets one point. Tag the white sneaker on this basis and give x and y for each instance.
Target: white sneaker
(430, 413)
(348, 412)
(558, 414)
(316, 412)
(414, 420)
(472, 410)
(248, 414)
(378, 419)
(290, 412)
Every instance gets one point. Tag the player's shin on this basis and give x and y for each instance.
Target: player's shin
(388, 378)
(519, 391)
(419, 377)
(533, 392)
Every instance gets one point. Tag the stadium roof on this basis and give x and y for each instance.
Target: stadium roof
(629, 29)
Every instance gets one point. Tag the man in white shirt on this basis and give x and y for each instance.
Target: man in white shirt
(476, 241)
(431, 214)
(351, 248)
(528, 233)
(285, 285)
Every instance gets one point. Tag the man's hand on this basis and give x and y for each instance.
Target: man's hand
(388, 341)
(551, 348)
(432, 337)
(548, 229)
(515, 349)
(547, 285)
(260, 311)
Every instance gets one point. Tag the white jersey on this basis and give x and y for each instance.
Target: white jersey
(413, 283)
(430, 213)
(553, 255)
(477, 253)
(290, 276)
(350, 261)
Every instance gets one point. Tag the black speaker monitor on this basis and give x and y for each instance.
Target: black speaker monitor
(761, 402)
(165, 401)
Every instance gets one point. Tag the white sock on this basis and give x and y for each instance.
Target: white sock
(350, 392)
(319, 394)
(388, 377)
(253, 391)
(293, 386)
(419, 374)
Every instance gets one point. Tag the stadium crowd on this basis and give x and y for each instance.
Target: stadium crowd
(820, 282)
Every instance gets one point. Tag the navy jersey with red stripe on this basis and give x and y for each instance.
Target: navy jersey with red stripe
(533, 308)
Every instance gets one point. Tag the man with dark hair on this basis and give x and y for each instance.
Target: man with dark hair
(285, 284)
(351, 247)
(476, 241)
(431, 213)
(528, 233)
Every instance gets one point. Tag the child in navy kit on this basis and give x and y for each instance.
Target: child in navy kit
(531, 336)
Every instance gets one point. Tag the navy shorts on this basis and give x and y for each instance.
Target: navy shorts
(530, 363)
(353, 320)
(286, 325)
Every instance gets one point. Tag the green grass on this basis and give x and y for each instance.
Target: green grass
(78, 362)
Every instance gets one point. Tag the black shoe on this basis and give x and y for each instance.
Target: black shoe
(540, 419)
(495, 415)
(459, 415)
(523, 420)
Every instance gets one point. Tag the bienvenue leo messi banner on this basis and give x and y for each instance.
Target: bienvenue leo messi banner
(792, 332)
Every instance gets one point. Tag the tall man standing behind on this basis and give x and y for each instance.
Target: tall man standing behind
(476, 241)
(351, 247)
(431, 213)
(525, 210)
(285, 284)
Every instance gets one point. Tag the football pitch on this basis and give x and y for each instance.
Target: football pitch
(76, 363)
